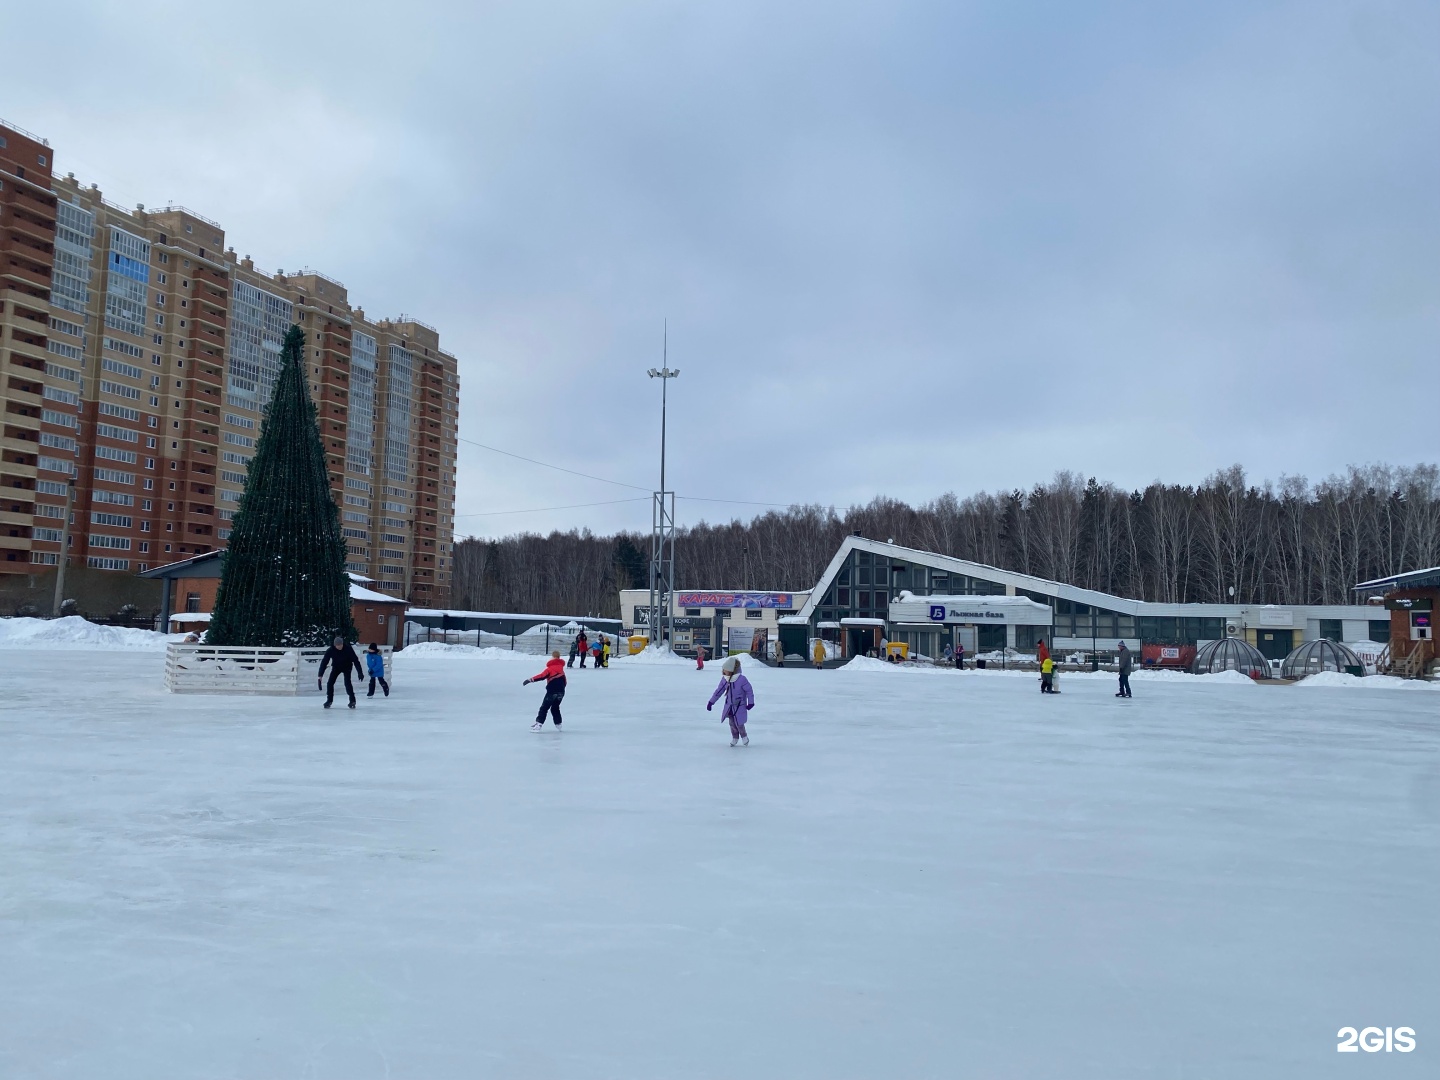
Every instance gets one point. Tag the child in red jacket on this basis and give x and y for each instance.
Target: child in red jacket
(554, 676)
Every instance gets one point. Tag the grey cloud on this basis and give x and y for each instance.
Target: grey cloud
(918, 246)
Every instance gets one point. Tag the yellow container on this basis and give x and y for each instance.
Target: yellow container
(637, 644)
(898, 648)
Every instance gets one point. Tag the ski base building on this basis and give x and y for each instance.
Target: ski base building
(873, 591)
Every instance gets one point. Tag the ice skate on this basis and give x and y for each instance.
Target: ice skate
(734, 742)
(744, 740)
(537, 726)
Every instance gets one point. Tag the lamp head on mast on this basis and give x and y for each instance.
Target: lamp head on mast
(663, 373)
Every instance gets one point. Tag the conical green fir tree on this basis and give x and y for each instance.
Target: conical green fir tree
(284, 580)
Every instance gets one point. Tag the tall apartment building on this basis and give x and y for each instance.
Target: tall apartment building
(137, 356)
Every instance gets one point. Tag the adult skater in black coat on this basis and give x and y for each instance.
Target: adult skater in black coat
(341, 660)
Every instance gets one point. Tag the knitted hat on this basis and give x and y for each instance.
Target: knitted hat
(731, 664)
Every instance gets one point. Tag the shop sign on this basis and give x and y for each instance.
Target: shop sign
(1397, 604)
(735, 599)
(940, 613)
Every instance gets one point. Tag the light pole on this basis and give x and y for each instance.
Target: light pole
(662, 536)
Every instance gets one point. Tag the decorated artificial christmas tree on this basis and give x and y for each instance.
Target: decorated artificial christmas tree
(284, 580)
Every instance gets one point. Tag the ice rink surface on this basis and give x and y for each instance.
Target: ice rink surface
(907, 874)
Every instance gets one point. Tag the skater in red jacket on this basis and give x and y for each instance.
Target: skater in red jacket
(554, 676)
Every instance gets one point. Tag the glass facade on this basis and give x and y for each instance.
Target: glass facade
(397, 404)
(259, 321)
(74, 236)
(1164, 630)
(360, 436)
(127, 283)
(867, 582)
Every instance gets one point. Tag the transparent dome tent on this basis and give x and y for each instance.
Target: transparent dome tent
(1231, 654)
(1322, 654)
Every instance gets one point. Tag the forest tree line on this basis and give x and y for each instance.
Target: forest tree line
(1290, 542)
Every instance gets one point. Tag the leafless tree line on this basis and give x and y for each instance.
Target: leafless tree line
(1287, 543)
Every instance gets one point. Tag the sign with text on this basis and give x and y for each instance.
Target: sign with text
(735, 599)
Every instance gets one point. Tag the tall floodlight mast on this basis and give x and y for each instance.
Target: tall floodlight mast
(662, 535)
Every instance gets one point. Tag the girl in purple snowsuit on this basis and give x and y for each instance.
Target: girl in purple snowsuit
(739, 699)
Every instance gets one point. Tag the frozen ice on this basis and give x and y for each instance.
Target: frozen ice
(908, 873)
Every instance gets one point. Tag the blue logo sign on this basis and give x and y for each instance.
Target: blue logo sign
(937, 612)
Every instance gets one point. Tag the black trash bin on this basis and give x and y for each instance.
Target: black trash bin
(980, 663)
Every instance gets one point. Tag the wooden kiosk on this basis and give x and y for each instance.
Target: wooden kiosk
(1411, 600)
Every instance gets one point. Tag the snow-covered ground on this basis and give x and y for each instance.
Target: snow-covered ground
(909, 873)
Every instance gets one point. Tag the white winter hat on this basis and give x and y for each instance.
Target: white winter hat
(731, 665)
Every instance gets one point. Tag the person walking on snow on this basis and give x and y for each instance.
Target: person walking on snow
(604, 651)
(819, 654)
(1047, 675)
(739, 699)
(376, 663)
(341, 660)
(574, 649)
(960, 656)
(554, 676)
(700, 658)
(1126, 662)
(583, 644)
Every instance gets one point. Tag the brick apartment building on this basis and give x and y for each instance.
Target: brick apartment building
(137, 352)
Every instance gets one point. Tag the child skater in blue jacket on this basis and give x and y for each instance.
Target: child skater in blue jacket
(375, 666)
(739, 699)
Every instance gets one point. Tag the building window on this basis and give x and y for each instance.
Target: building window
(1332, 629)
(1379, 629)
(754, 613)
(692, 612)
(192, 602)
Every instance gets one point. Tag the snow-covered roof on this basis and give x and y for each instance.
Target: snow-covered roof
(1046, 587)
(190, 616)
(435, 613)
(1411, 579)
(370, 596)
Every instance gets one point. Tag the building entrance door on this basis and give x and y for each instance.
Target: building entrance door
(1275, 644)
(858, 642)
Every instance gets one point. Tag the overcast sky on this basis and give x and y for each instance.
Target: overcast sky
(903, 248)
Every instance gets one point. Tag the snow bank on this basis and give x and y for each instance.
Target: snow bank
(654, 655)
(73, 632)
(437, 650)
(1369, 682)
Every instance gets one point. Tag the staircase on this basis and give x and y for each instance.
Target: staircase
(1411, 665)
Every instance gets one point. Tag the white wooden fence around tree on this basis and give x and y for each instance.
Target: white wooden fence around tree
(221, 669)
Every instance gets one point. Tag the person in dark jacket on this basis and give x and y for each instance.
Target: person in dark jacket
(376, 665)
(1126, 662)
(554, 676)
(341, 660)
(574, 651)
(583, 644)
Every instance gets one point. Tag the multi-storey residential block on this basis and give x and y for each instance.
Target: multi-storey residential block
(137, 356)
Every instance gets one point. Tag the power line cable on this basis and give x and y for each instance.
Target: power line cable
(546, 464)
(545, 509)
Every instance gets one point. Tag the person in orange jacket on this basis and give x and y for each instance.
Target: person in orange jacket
(554, 676)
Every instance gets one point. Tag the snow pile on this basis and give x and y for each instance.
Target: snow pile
(656, 655)
(870, 663)
(73, 632)
(1369, 682)
(438, 650)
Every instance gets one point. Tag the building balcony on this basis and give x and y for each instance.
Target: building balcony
(15, 543)
(16, 270)
(10, 517)
(17, 468)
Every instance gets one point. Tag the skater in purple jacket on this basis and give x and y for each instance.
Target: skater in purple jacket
(739, 699)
